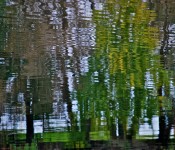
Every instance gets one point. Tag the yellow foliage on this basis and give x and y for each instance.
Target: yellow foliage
(132, 80)
(127, 36)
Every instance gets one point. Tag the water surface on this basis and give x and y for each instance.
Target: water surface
(87, 74)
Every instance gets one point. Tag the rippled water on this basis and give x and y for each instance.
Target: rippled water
(87, 74)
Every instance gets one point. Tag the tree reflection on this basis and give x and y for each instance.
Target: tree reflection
(87, 72)
(125, 72)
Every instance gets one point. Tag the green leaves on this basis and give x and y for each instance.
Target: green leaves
(126, 41)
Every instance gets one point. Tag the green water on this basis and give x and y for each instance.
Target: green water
(87, 74)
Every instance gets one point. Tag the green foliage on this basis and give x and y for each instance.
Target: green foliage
(124, 56)
(100, 135)
(56, 137)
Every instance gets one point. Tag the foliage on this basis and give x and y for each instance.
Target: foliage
(125, 71)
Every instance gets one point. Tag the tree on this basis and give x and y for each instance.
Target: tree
(125, 71)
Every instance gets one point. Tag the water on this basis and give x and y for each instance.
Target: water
(87, 74)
